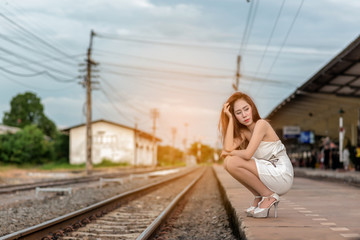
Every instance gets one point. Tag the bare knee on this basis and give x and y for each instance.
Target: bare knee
(225, 164)
(233, 164)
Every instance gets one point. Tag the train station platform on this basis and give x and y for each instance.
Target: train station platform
(338, 175)
(312, 209)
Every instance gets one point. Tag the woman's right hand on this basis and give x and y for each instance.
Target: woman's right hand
(224, 153)
(226, 110)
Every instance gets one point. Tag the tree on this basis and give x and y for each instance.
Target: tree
(26, 109)
(61, 147)
(26, 146)
(168, 155)
(205, 154)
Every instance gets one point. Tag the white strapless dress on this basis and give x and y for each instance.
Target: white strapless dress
(274, 166)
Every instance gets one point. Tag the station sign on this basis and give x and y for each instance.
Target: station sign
(291, 132)
(307, 137)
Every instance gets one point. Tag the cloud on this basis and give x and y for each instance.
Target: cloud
(64, 111)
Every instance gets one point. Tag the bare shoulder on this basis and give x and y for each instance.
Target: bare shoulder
(262, 123)
(270, 134)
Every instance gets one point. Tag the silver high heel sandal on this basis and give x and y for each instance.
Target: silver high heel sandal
(249, 212)
(264, 212)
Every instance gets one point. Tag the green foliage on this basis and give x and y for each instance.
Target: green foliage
(26, 109)
(206, 153)
(26, 146)
(39, 141)
(58, 166)
(168, 155)
(31, 146)
(108, 163)
(61, 148)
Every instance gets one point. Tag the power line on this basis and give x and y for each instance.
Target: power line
(36, 88)
(34, 62)
(33, 35)
(22, 13)
(168, 62)
(35, 73)
(164, 43)
(170, 72)
(112, 88)
(147, 80)
(33, 50)
(114, 106)
(283, 43)
(249, 26)
(270, 37)
(138, 77)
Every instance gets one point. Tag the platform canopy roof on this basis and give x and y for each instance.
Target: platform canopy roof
(318, 103)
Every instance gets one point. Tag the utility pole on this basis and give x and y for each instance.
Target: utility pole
(198, 154)
(173, 133)
(135, 145)
(236, 84)
(185, 141)
(154, 114)
(88, 107)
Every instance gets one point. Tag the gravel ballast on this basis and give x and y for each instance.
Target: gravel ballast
(26, 210)
(201, 216)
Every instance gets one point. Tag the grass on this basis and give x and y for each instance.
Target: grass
(108, 163)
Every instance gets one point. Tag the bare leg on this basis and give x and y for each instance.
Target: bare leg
(245, 172)
(252, 190)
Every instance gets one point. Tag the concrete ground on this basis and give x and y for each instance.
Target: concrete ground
(312, 209)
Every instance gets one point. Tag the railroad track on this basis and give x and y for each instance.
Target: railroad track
(136, 213)
(5, 189)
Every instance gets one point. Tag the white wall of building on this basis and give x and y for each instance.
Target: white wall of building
(112, 142)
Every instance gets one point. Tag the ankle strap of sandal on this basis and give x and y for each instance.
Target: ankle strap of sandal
(274, 195)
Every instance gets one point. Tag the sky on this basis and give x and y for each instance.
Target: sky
(179, 57)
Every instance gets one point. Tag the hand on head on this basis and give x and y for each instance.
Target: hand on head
(227, 110)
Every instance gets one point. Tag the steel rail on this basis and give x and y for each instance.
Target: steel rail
(150, 230)
(80, 217)
(4, 189)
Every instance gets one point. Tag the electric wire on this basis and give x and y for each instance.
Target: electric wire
(114, 106)
(60, 60)
(269, 40)
(36, 88)
(35, 73)
(283, 44)
(248, 27)
(116, 93)
(38, 63)
(170, 72)
(179, 64)
(22, 13)
(270, 37)
(173, 88)
(33, 35)
(165, 43)
(149, 78)
(164, 61)
(22, 74)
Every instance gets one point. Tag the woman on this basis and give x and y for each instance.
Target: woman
(254, 154)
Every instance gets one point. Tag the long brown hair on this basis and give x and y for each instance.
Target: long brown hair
(238, 127)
